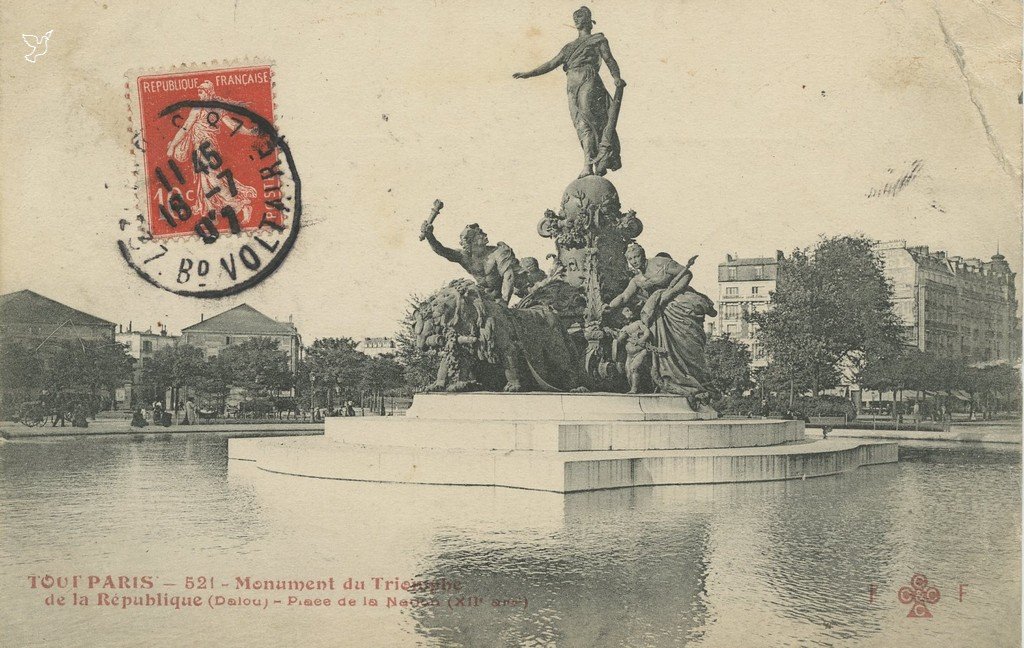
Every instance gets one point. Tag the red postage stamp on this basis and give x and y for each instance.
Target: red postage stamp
(218, 191)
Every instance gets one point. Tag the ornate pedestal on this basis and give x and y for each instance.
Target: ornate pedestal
(559, 442)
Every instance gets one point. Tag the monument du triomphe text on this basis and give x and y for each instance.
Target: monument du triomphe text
(586, 375)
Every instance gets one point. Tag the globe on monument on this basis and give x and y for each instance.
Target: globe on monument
(586, 191)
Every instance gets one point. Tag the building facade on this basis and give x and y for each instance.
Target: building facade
(214, 334)
(142, 345)
(29, 319)
(38, 323)
(952, 306)
(744, 286)
(376, 346)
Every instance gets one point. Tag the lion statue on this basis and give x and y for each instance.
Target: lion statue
(485, 345)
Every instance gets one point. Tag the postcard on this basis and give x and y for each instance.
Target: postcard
(451, 323)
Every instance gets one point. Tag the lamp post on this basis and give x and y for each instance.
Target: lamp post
(312, 396)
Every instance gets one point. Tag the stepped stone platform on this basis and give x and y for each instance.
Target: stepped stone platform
(559, 442)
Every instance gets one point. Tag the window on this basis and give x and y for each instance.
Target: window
(731, 273)
(731, 311)
(147, 345)
(227, 339)
(732, 291)
(730, 329)
(755, 290)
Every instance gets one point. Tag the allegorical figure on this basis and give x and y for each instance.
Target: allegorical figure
(494, 267)
(675, 312)
(594, 113)
(199, 132)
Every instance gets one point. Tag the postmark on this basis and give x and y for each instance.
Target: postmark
(219, 197)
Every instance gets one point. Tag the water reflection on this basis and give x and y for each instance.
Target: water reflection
(815, 562)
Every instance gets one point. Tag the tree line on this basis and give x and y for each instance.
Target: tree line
(832, 317)
(82, 371)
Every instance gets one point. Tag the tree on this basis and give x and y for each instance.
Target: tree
(21, 371)
(998, 388)
(214, 382)
(729, 365)
(174, 368)
(334, 366)
(832, 304)
(22, 367)
(382, 375)
(258, 366)
(89, 365)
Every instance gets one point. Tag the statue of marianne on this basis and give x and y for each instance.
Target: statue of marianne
(593, 111)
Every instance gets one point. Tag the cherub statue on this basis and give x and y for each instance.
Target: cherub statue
(636, 335)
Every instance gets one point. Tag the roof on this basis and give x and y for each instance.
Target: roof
(241, 320)
(27, 307)
(749, 261)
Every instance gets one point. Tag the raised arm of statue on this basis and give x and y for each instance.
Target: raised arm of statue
(679, 282)
(454, 256)
(613, 65)
(543, 68)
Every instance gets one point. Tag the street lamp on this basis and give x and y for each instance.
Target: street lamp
(312, 396)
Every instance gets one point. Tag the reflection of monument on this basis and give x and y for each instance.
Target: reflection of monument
(607, 319)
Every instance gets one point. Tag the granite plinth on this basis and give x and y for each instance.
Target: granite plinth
(554, 442)
(561, 436)
(547, 406)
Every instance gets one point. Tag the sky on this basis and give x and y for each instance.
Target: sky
(745, 128)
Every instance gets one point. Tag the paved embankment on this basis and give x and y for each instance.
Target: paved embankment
(967, 433)
(14, 431)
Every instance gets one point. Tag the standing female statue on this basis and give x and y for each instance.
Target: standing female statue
(593, 111)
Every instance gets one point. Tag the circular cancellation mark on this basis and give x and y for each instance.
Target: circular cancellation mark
(222, 203)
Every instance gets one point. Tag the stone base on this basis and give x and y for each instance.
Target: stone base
(559, 442)
(547, 406)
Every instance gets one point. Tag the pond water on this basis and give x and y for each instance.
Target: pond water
(818, 562)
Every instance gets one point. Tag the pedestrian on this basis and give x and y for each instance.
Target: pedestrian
(350, 409)
(190, 411)
(139, 418)
(78, 416)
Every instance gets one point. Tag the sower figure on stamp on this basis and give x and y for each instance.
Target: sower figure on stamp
(494, 267)
(594, 113)
(196, 138)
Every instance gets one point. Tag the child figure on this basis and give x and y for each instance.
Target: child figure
(636, 335)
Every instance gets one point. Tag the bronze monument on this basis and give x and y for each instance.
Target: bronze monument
(605, 317)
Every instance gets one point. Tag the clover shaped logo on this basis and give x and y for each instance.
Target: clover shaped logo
(919, 595)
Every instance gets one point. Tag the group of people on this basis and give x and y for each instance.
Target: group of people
(347, 409)
(159, 416)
